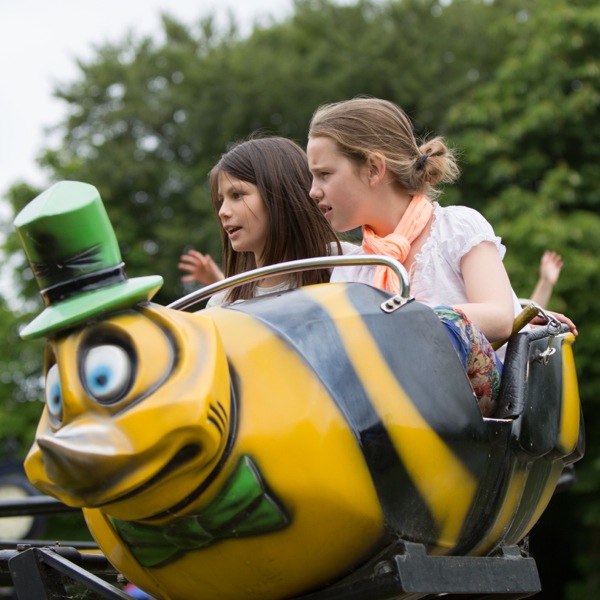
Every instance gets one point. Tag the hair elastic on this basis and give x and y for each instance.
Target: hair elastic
(421, 161)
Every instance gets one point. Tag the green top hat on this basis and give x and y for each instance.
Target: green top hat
(75, 257)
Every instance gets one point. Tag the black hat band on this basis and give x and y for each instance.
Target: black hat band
(84, 283)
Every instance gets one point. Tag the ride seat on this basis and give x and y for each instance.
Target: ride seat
(539, 390)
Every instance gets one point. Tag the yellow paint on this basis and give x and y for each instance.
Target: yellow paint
(435, 470)
(115, 449)
(310, 458)
(287, 423)
(571, 411)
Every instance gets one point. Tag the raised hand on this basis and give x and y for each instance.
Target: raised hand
(200, 268)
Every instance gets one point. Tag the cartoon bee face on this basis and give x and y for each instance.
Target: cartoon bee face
(111, 428)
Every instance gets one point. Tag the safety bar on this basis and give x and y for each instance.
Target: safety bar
(305, 264)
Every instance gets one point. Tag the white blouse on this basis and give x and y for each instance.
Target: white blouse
(435, 275)
(219, 298)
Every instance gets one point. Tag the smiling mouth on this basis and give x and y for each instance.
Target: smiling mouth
(183, 456)
(232, 230)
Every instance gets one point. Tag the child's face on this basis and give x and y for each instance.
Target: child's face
(243, 215)
(338, 185)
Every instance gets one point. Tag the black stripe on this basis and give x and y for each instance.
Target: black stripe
(413, 342)
(84, 283)
(305, 326)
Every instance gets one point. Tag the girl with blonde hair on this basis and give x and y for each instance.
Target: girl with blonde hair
(369, 171)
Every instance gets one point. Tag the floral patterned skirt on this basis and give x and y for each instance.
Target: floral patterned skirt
(480, 361)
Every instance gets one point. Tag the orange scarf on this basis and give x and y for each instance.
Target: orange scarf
(397, 244)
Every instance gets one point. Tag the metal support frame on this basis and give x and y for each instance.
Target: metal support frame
(405, 572)
(41, 573)
(408, 573)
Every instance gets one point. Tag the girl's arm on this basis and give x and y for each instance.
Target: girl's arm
(489, 292)
(550, 268)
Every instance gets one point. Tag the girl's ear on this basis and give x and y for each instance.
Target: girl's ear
(376, 168)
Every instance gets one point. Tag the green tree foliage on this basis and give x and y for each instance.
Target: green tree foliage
(20, 378)
(146, 120)
(514, 85)
(530, 145)
(21, 389)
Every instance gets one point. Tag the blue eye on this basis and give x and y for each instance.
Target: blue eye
(107, 372)
(53, 395)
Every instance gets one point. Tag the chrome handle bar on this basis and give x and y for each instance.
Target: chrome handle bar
(305, 264)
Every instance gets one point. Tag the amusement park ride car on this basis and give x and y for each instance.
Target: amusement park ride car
(319, 443)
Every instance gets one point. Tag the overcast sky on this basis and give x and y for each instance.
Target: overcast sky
(40, 41)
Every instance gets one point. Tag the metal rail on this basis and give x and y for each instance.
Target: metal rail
(33, 506)
(294, 266)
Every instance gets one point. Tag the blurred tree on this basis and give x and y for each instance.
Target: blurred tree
(147, 120)
(21, 379)
(21, 389)
(530, 160)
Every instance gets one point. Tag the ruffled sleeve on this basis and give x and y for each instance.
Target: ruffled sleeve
(460, 229)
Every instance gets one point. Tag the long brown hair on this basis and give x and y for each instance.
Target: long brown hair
(278, 167)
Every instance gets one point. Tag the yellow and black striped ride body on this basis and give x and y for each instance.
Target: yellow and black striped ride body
(269, 448)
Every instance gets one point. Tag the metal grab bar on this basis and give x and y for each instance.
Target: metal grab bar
(292, 266)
